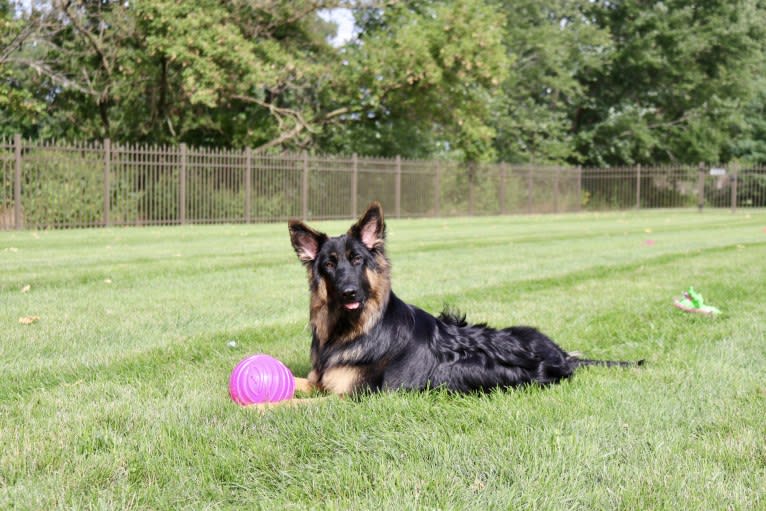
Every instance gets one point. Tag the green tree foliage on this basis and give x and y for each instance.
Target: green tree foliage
(749, 142)
(550, 45)
(591, 82)
(424, 74)
(20, 110)
(678, 75)
(263, 74)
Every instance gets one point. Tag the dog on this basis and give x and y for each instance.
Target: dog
(365, 339)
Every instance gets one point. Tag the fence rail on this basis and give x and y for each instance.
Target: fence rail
(56, 185)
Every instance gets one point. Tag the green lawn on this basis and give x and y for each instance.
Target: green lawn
(116, 398)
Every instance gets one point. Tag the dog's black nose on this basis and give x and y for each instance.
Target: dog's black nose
(349, 293)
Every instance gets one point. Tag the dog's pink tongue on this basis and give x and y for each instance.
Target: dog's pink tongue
(352, 306)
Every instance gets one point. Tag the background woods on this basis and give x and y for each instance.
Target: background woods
(580, 82)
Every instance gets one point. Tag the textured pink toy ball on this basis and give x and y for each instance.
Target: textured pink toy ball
(261, 379)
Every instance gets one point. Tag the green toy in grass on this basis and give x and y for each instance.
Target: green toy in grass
(691, 301)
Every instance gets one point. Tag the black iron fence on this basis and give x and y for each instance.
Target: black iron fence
(56, 185)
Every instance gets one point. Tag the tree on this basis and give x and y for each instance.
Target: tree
(550, 45)
(19, 107)
(421, 79)
(591, 82)
(262, 74)
(749, 142)
(166, 71)
(678, 77)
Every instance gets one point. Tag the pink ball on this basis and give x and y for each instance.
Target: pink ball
(261, 379)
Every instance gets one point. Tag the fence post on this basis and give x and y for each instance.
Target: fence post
(398, 187)
(471, 169)
(501, 193)
(734, 179)
(107, 172)
(556, 190)
(248, 184)
(305, 188)
(701, 187)
(182, 187)
(579, 188)
(17, 182)
(529, 188)
(638, 186)
(437, 188)
(354, 185)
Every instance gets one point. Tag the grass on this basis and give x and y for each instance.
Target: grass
(116, 398)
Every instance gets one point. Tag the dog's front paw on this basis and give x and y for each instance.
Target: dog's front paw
(304, 385)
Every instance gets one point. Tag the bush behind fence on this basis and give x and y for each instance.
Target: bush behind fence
(52, 185)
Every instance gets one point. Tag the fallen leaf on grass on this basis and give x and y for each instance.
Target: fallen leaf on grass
(28, 320)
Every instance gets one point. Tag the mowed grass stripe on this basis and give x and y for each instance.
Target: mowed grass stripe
(504, 291)
(178, 304)
(270, 336)
(190, 250)
(142, 419)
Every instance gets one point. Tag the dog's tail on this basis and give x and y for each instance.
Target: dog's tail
(576, 361)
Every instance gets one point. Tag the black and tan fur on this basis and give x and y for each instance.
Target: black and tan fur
(366, 339)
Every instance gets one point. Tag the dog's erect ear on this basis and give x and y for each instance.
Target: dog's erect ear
(306, 241)
(370, 229)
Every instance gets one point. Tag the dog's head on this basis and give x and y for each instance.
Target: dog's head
(350, 271)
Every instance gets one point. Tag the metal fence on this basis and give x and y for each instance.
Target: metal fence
(55, 185)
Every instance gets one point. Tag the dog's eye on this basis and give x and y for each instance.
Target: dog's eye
(357, 260)
(329, 265)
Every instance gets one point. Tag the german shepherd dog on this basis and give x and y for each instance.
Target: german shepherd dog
(366, 339)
